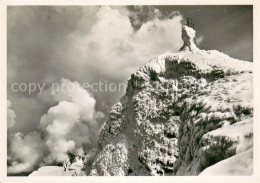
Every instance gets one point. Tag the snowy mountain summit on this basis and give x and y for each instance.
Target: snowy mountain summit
(185, 113)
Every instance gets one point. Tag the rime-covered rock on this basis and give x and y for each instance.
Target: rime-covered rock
(74, 163)
(182, 113)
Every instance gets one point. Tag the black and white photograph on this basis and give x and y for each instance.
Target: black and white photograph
(129, 90)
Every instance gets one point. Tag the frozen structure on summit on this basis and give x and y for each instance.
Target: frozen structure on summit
(188, 37)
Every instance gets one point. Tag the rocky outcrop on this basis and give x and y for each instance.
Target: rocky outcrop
(74, 163)
(182, 113)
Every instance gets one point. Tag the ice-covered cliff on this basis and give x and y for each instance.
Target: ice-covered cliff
(182, 114)
(185, 113)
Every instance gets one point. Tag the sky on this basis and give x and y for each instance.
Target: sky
(89, 44)
(228, 29)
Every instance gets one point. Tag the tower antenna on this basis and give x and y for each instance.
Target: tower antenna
(189, 23)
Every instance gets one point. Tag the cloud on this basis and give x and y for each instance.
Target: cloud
(115, 43)
(199, 40)
(71, 125)
(10, 115)
(24, 107)
(141, 14)
(25, 152)
(83, 44)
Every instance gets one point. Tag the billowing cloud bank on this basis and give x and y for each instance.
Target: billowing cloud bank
(113, 41)
(71, 125)
(82, 40)
(84, 44)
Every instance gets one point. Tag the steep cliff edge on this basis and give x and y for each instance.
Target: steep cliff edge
(182, 113)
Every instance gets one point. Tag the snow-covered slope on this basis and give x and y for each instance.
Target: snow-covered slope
(239, 165)
(73, 166)
(182, 112)
(51, 171)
